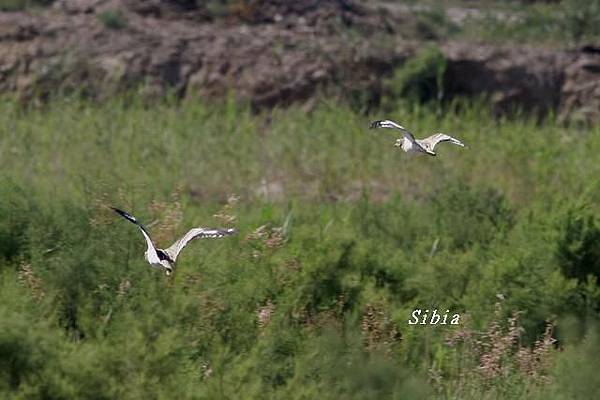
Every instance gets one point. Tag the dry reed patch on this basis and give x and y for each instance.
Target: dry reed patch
(378, 329)
(28, 279)
(264, 314)
(169, 215)
(227, 214)
(496, 352)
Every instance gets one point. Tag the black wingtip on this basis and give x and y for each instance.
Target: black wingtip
(118, 211)
(124, 214)
(226, 232)
(375, 124)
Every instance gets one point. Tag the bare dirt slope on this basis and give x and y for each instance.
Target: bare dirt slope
(269, 53)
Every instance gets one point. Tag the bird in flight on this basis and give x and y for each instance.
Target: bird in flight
(409, 144)
(166, 258)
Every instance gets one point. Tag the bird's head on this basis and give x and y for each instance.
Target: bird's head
(398, 143)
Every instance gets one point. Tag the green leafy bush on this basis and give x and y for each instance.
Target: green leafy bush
(420, 79)
(113, 19)
(579, 245)
(471, 215)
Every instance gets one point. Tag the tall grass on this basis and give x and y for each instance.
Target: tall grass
(340, 238)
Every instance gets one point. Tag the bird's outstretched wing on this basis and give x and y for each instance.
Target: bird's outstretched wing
(131, 218)
(431, 141)
(196, 233)
(392, 125)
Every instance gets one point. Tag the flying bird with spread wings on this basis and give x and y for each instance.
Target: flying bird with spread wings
(165, 258)
(409, 144)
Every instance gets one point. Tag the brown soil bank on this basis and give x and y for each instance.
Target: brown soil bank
(270, 52)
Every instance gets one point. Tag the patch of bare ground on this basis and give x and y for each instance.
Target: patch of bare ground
(268, 53)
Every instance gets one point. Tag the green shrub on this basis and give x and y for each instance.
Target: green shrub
(471, 215)
(14, 223)
(575, 370)
(113, 19)
(578, 248)
(420, 79)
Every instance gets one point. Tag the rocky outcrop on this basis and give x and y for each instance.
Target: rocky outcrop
(75, 46)
(276, 54)
(580, 95)
(526, 78)
(530, 79)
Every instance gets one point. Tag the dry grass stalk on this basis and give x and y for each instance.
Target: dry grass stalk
(497, 346)
(170, 216)
(534, 362)
(226, 214)
(435, 378)
(332, 317)
(124, 287)
(206, 370)
(191, 280)
(32, 282)
(264, 314)
(210, 305)
(101, 214)
(378, 329)
(271, 237)
(286, 270)
(498, 353)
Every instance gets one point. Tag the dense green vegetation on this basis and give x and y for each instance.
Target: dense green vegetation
(341, 236)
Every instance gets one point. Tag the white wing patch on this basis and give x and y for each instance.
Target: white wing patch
(151, 251)
(433, 140)
(386, 123)
(196, 233)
